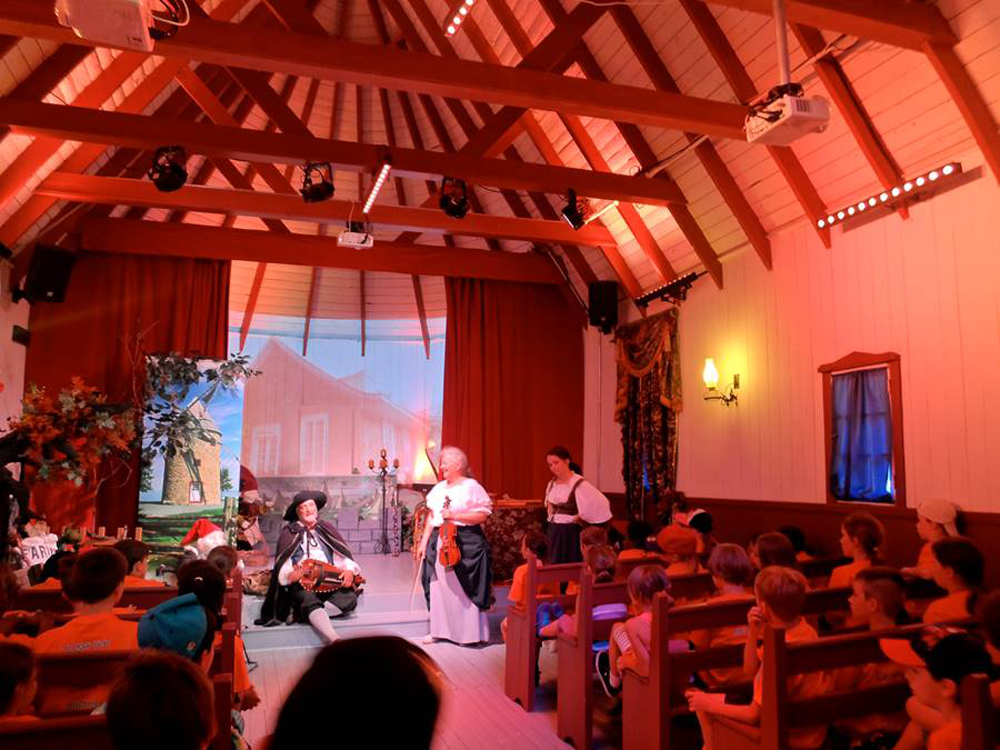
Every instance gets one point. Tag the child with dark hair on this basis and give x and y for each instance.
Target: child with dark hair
(56, 570)
(384, 671)
(600, 561)
(732, 575)
(137, 555)
(988, 613)
(592, 536)
(797, 537)
(18, 682)
(772, 548)
(225, 558)
(861, 537)
(637, 533)
(958, 568)
(701, 522)
(536, 543)
(162, 701)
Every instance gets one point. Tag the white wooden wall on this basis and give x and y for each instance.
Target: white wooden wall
(12, 355)
(927, 288)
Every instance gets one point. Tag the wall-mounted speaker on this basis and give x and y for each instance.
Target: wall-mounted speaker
(48, 275)
(603, 305)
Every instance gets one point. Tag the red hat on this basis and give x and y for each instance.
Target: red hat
(677, 540)
(201, 528)
(248, 481)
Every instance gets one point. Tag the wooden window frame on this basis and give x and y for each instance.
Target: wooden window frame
(864, 361)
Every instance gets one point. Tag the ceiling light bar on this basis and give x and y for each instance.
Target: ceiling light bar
(673, 291)
(599, 214)
(911, 188)
(459, 12)
(379, 181)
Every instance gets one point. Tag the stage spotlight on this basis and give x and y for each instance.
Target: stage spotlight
(573, 211)
(168, 172)
(317, 182)
(454, 197)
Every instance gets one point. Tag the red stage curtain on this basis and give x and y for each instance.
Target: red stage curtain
(174, 304)
(513, 381)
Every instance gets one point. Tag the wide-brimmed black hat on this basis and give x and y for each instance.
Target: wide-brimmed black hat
(291, 513)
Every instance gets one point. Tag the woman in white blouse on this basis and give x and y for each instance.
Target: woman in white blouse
(572, 502)
(457, 597)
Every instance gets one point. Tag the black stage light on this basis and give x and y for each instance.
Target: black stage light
(454, 197)
(573, 212)
(5, 252)
(167, 172)
(317, 182)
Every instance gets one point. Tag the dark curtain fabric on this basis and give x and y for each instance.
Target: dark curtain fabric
(861, 468)
(649, 399)
(117, 309)
(513, 381)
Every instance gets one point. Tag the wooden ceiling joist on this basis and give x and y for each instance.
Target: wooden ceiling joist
(314, 281)
(191, 241)
(306, 55)
(418, 296)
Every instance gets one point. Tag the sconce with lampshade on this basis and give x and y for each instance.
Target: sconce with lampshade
(710, 375)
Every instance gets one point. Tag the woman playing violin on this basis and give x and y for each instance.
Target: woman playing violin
(458, 595)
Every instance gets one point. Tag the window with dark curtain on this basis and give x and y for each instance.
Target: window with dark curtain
(861, 465)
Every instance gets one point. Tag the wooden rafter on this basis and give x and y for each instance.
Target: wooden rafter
(716, 168)
(314, 282)
(192, 241)
(418, 297)
(303, 54)
(364, 335)
(742, 85)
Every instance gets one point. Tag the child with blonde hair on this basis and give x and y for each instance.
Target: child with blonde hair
(732, 574)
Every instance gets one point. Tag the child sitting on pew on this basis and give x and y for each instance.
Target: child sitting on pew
(56, 569)
(732, 574)
(988, 614)
(861, 536)
(225, 558)
(630, 640)
(798, 539)
(600, 561)
(18, 682)
(936, 519)
(680, 549)
(592, 536)
(637, 532)
(182, 626)
(935, 666)
(772, 548)
(780, 593)
(958, 567)
(537, 544)
(137, 555)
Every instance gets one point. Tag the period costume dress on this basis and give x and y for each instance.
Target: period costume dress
(572, 505)
(295, 543)
(458, 598)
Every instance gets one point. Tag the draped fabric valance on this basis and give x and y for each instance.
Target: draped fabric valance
(648, 400)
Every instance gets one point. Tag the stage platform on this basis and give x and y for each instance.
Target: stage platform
(383, 608)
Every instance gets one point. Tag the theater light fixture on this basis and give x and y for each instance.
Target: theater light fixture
(460, 10)
(380, 178)
(710, 376)
(672, 291)
(168, 172)
(317, 182)
(573, 210)
(454, 199)
(911, 188)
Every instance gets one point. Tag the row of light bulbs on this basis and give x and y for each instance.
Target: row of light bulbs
(883, 197)
(461, 12)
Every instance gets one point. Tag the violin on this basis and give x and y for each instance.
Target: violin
(319, 577)
(448, 552)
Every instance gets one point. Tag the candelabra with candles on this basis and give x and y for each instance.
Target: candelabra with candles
(383, 545)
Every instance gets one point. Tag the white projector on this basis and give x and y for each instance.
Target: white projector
(357, 240)
(796, 117)
(116, 23)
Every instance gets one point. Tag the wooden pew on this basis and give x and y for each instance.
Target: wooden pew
(651, 701)
(521, 653)
(575, 694)
(979, 715)
(52, 600)
(77, 671)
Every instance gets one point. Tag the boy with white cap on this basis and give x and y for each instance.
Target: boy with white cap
(935, 520)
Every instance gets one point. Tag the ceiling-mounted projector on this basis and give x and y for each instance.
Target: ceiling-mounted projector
(786, 119)
(116, 23)
(357, 240)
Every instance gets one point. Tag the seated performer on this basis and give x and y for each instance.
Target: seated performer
(307, 537)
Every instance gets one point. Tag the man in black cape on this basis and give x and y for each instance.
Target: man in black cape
(305, 535)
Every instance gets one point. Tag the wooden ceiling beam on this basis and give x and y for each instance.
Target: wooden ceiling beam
(716, 168)
(190, 241)
(896, 22)
(314, 281)
(418, 297)
(248, 202)
(361, 279)
(306, 55)
(969, 101)
(124, 128)
(742, 85)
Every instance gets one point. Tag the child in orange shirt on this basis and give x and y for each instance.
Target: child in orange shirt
(638, 532)
(861, 536)
(957, 567)
(781, 594)
(936, 519)
(18, 682)
(731, 573)
(600, 560)
(935, 668)
(536, 543)
(680, 548)
(988, 613)
(137, 555)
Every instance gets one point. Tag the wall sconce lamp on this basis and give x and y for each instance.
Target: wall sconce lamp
(711, 377)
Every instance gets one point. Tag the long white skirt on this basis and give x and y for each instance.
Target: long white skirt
(453, 615)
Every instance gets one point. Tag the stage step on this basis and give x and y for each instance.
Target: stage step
(403, 624)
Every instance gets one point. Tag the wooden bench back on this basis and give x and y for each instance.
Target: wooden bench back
(90, 732)
(77, 671)
(980, 717)
(52, 600)
(592, 595)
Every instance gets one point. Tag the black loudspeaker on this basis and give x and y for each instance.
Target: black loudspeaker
(48, 275)
(603, 305)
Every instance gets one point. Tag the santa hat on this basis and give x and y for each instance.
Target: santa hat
(201, 528)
